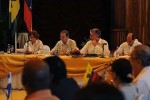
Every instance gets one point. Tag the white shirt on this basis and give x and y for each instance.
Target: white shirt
(89, 48)
(61, 47)
(35, 48)
(125, 48)
(129, 91)
(142, 81)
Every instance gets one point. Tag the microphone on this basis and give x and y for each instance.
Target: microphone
(103, 49)
(103, 46)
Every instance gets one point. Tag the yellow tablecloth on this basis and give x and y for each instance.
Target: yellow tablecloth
(75, 66)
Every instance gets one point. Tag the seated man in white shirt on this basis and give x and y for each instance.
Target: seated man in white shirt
(96, 45)
(65, 45)
(34, 45)
(140, 61)
(127, 47)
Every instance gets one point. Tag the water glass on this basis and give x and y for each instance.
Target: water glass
(11, 48)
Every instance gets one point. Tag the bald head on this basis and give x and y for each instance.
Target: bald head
(142, 52)
(130, 39)
(35, 75)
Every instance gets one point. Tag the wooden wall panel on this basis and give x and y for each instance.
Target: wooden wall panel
(133, 15)
(118, 14)
(138, 19)
(118, 37)
(118, 32)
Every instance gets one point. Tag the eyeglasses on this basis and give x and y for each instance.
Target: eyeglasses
(31, 37)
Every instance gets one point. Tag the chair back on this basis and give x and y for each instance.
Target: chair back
(22, 39)
(46, 49)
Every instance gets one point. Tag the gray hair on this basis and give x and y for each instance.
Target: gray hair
(96, 31)
(142, 52)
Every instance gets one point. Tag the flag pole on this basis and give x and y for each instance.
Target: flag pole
(15, 42)
(15, 35)
(14, 6)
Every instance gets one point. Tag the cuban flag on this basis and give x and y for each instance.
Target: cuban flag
(8, 90)
(28, 14)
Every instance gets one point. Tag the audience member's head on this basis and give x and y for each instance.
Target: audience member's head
(64, 35)
(35, 76)
(99, 91)
(130, 39)
(140, 58)
(57, 68)
(122, 70)
(33, 36)
(95, 33)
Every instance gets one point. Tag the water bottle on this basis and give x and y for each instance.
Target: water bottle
(8, 49)
(11, 48)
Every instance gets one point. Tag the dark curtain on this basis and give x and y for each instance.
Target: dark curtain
(76, 16)
(52, 16)
(1, 14)
(4, 33)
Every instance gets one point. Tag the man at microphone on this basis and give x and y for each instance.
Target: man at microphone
(65, 45)
(34, 45)
(96, 45)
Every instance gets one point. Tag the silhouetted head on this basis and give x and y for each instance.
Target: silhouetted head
(57, 67)
(122, 70)
(35, 75)
(99, 91)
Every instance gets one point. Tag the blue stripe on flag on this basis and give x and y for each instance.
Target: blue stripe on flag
(29, 2)
(8, 90)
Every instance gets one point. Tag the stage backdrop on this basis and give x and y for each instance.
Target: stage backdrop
(52, 16)
(76, 16)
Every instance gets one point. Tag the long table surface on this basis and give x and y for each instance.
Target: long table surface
(75, 65)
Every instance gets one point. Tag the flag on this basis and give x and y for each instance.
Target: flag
(94, 77)
(8, 90)
(14, 6)
(87, 74)
(90, 76)
(28, 14)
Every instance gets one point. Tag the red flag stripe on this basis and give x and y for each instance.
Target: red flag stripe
(27, 16)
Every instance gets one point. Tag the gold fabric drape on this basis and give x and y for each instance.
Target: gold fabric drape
(75, 66)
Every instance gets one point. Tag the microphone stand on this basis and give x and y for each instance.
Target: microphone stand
(27, 47)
